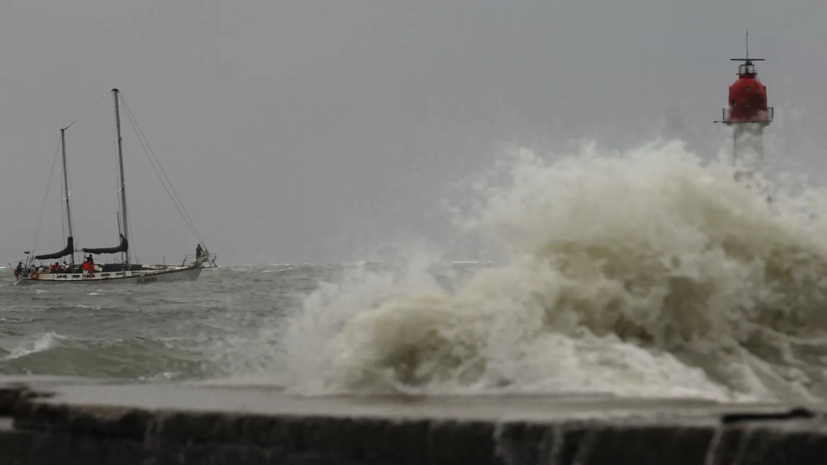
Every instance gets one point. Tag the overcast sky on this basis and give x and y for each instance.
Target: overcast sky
(307, 131)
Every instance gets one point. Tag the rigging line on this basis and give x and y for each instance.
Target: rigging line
(189, 223)
(62, 215)
(132, 122)
(127, 232)
(117, 178)
(181, 209)
(152, 163)
(87, 111)
(43, 204)
(158, 162)
(132, 244)
(118, 187)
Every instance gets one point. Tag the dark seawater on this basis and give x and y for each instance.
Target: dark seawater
(164, 331)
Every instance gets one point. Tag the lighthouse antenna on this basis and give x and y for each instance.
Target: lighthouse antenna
(748, 68)
(748, 60)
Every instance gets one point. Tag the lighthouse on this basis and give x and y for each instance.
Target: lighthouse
(747, 114)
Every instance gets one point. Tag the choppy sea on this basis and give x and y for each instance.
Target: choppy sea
(648, 272)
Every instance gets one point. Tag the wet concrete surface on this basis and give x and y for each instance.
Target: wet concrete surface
(70, 420)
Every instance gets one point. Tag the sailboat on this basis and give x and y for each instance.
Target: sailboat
(128, 270)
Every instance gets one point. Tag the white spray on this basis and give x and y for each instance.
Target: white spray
(646, 272)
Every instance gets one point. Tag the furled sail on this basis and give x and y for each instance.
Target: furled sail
(121, 248)
(70, 248)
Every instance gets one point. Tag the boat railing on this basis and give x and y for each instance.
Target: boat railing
(207, 259)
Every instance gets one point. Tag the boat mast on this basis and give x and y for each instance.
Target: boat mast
(115, 93)
(66, 187)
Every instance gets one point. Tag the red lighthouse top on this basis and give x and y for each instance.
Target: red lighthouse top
(747, 95)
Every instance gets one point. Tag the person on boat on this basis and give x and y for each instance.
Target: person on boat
(19, 269)
(198, 252)
(65, 268)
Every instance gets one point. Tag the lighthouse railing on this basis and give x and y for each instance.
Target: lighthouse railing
(759, 116)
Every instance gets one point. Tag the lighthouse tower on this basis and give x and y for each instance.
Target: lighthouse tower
(748, 115)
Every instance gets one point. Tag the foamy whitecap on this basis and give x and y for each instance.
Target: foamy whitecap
(45, 342)
(638, 273)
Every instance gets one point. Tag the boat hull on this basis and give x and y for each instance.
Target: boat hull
(166, 276)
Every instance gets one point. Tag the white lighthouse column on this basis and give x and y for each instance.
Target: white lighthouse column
(748, 154)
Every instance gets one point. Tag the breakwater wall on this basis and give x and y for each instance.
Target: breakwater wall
(75, 421)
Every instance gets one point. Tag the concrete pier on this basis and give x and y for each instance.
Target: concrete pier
(77, 421)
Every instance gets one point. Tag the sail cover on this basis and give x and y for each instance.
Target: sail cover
(121, 248)
(70, 248)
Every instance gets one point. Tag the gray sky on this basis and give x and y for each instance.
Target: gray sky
(307, 131)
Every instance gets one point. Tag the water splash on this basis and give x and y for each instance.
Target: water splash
(645, 272)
